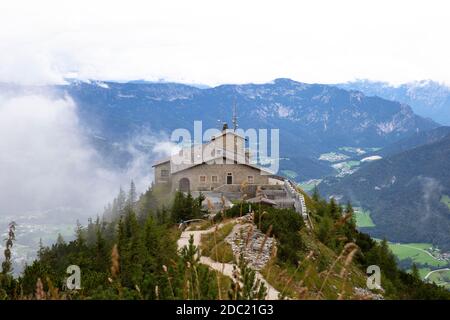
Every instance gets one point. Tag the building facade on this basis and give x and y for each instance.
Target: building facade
(224, 160)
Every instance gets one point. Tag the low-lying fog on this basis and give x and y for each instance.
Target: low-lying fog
(51, 175)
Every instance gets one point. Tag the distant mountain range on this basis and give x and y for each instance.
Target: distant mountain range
(403, 191)
(427, 98)
(313, 118)
(406, 192)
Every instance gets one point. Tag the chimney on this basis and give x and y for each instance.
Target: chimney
(225, 127)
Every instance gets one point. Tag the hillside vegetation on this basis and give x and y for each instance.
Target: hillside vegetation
(133, 255)
(405, 193)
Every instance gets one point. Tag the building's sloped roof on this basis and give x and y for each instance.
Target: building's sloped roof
(224, 158)
(158, 162)
(225, 155)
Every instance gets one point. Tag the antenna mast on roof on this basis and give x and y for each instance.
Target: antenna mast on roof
(235, 125)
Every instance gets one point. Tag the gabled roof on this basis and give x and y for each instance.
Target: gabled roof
(157, 163)
(228, 131)
(224, 158)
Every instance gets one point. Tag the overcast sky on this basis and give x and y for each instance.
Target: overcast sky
(224, 41)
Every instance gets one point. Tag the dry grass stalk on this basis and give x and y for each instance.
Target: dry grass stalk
(295, 272)
(273, 255)
(348, 247)
(53, 292)
(344, 271)
(197, 281)
(302, 292)
(115, 261)
(210, 205)
(260, 217)
(217, 256)
(40, 293)
(342, 220)
(249, 235)
(166, 271)
(266, 236)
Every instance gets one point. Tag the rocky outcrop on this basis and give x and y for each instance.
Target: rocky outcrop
(255, 246)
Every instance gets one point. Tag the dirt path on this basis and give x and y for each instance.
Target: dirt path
(224, 268)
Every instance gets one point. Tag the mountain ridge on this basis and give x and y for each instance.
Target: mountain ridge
(428, 98)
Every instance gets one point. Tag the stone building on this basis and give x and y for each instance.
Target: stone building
(224, 160)
(223, 172)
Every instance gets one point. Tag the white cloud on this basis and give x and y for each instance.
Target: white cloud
(225, 41)
(48, 164)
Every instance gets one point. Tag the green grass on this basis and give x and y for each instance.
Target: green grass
(414, 251)
(441, 278)
(215, 247)
(446, 200)
(423, 272)
(363, 219)
(309, 184)
(353, 163)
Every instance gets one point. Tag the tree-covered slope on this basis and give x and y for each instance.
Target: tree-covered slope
(403, 193)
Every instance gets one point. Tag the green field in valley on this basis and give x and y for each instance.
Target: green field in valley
(309, 185)
(417, 253)
(363, 219)
(290, 174)
(441, 278)
(446, 200)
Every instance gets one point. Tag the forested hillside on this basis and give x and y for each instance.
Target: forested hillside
(405, 193)
(132, 254)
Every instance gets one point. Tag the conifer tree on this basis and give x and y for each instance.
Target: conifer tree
(316, 195)
(60, 240)
(132, 196)
(245, 285)
(178, 207)
(121, 202)
(415, 272)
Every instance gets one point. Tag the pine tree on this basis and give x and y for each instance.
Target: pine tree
(188, 212)
(245, 285)
(415, 272)
(349, 208)
(149, 203)
(101, 251)
(132, 196)
(334, 209)
(316, 194)
(60, 240)
(80, 235)
(178, 207)
(324, 229)
(121, 202)
(131, 249)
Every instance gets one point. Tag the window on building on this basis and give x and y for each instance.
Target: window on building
(229, 178)
(164, 173)
(214, 179)
(202, 179)
(250, 179)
